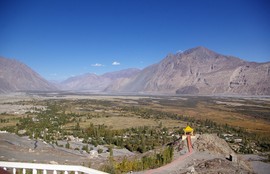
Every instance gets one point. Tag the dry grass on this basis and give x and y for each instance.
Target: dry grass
(10, 123)
(128, 122)
(12, 120)
(220, 114)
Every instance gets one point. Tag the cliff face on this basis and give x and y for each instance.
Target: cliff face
(16, 76)
(200, 71)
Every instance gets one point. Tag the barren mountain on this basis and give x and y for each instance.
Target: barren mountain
(93, 82)
(195, 71)
(200, 71)
(88, 82)
(126, 73)
(16, 76)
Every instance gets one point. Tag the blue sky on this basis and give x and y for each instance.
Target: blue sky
(62, 38)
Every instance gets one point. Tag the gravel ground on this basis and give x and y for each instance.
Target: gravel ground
(22, 149)
(15, 148)
(257, 164)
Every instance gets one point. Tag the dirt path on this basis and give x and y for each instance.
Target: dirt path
(171, 166)
(176, 164)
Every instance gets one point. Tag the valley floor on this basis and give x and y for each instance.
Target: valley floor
(210, 153)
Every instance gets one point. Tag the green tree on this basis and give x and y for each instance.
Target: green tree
(67, 145)
(111, 151)
(77, 127)
(85, 148)
(100, 150)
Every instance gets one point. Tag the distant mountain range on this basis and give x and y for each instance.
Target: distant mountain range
(96, 83)
(195, 71)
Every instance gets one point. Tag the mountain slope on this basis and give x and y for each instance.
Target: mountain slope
(126, 73)
(88, 82)
(93, 82)
(201, 71)
(16, 76)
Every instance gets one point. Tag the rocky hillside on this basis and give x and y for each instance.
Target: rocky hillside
(16, 76)
(213, 144)
(211, 155)
(93, 82)
(200, 71)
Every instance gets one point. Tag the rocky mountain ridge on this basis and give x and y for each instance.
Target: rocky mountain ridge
(197, 71)
(200, 71)
(16, 76)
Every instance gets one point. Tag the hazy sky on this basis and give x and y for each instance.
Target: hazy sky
(61, 38)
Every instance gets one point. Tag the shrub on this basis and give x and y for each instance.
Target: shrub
(100, 150)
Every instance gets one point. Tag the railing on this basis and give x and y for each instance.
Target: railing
(46, 167)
